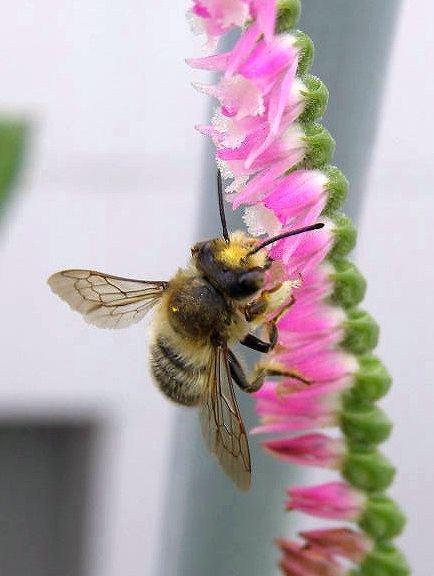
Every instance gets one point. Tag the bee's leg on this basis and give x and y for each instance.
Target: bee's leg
(255, 343)
(237, 371)
(260, 372)
(257, 308)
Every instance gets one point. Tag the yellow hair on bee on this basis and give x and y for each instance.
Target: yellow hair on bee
(240, 244)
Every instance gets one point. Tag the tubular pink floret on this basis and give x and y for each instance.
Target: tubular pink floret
(296, 193)
(306, 560)
(284, 408)
(344, 542)
(334, 500)
(326, 366)
(309, 449)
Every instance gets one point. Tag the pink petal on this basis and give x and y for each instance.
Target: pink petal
(280, 96)
(301, 401)
(237, 95)
(302, 560)
(294, 424)
(220, 15)
(242, 48)
(264, 12)
(343, 542)
(334, 500)
(315, 317)
(259, 184)
(326, 366)
(296, 192)
(310, 449)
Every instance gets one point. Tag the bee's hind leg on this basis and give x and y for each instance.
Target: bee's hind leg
(260, 372)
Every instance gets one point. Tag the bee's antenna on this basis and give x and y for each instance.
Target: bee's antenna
(285, 235)
(221, 206)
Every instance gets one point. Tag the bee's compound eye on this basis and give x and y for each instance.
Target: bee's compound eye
(250, 282)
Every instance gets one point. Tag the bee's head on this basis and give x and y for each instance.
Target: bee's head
(236, 264)
(230, 266)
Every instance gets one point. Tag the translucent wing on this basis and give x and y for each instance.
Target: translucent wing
(104, 300)
(222, 426)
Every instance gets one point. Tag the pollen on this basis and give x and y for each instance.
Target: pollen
(175, 309)
(233, 254)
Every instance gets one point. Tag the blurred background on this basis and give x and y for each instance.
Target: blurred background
(112, 181)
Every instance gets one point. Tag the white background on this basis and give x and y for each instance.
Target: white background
(113, 184)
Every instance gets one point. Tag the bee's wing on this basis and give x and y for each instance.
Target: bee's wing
(222, 426)
(104, 300)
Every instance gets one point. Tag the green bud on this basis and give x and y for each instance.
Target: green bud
(361, 332)
(385, 560)
(305, 52)
(288, 15)
(320, 146)
(345, 235)
(316, 97)
(368, 469)
(372, 380)
(382, 518)
(349, 285)
(364, 423)
(337, 188)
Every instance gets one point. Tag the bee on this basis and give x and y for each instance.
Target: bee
(213, 303)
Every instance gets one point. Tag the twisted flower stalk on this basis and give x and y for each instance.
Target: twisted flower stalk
(271, 146)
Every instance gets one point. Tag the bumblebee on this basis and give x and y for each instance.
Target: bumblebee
(216, 301)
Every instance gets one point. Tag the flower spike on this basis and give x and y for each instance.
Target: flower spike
(274, 156)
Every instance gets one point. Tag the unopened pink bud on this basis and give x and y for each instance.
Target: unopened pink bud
(310, 449)
(337, 500)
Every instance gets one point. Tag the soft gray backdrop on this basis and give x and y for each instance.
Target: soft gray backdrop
(113, 184)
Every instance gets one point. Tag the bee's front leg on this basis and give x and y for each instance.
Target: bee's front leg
(268, 302)
(274, 300)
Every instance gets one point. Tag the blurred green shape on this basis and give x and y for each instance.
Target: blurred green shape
(13, 133)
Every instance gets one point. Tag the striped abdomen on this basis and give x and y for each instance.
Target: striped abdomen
(177, 376)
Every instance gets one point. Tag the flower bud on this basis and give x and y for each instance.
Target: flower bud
(368, 469)
(315, 96)
(364, 423)
(361, 332)
(372, 380)
(382, 518)
(319, 145)
(345, 235)
(337, 188)
(288, 15)
(349, 285)
(305, 49)
(385, 560)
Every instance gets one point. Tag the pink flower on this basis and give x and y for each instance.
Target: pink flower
(310, 449)
(258, 83)
(335, 500)
(276, 157)
(285, 410)
(297, 194)
(214, 17)
(302, 560)
(344, 542)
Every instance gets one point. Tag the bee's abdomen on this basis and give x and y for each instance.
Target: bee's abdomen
(177, 377)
